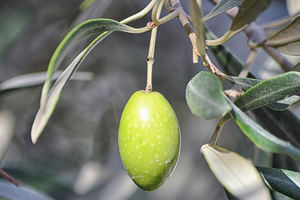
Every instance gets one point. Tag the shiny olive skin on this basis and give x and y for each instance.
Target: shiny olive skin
(149, 139)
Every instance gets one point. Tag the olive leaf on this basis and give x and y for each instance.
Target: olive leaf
(199, 27)
(260, 137)
(284, 181)
(50, 99)
(270, 91)
(36, 79)
(248, 12)
(282, 123)
(287, 39)
(10, 191)
(245, 83)
(221, 7)
(235, 173)
(248, 83)
(88, 28)
(204, 96)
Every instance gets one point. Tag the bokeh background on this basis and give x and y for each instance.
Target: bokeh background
(77, 155)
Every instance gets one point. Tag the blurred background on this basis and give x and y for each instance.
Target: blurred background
(77, 155)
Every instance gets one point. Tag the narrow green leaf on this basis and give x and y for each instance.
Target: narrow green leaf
(36, 79)
(87, 28)
(260, 137)
(11, 192)
(287, 39)
(284, 181)
(45, 111)
(283, 124)
(269, 91)
(204, 96)
(198, 26)
(221, 7)
(50, 99)
(248, 12)
(248, 83)
(235, 173)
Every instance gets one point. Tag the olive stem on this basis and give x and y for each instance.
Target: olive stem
(215, 137)
(139, 14)
(150, 58)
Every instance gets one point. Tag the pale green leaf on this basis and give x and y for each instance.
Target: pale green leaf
(248, 12)
(221, 7)
(287, 39)
(36, 79)
(284, 181)
(204, 96)
(235, 173)
(198, 26)
(260, 137)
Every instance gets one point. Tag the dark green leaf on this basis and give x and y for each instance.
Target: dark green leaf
(221, 7)
(248, 83)
(270, 90)
(284, 181)
(284, 104)
(283, 124)
(287, 39)
(204, 96)
(260, 137)
(198, 26)
(235, 173)
(11, 192)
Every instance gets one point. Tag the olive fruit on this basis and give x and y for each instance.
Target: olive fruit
(149, 139)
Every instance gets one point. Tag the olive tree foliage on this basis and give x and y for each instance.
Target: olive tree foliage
(262, 109)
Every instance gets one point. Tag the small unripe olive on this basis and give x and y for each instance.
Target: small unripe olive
(149, 139)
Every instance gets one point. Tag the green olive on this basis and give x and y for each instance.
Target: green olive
(149, 139)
